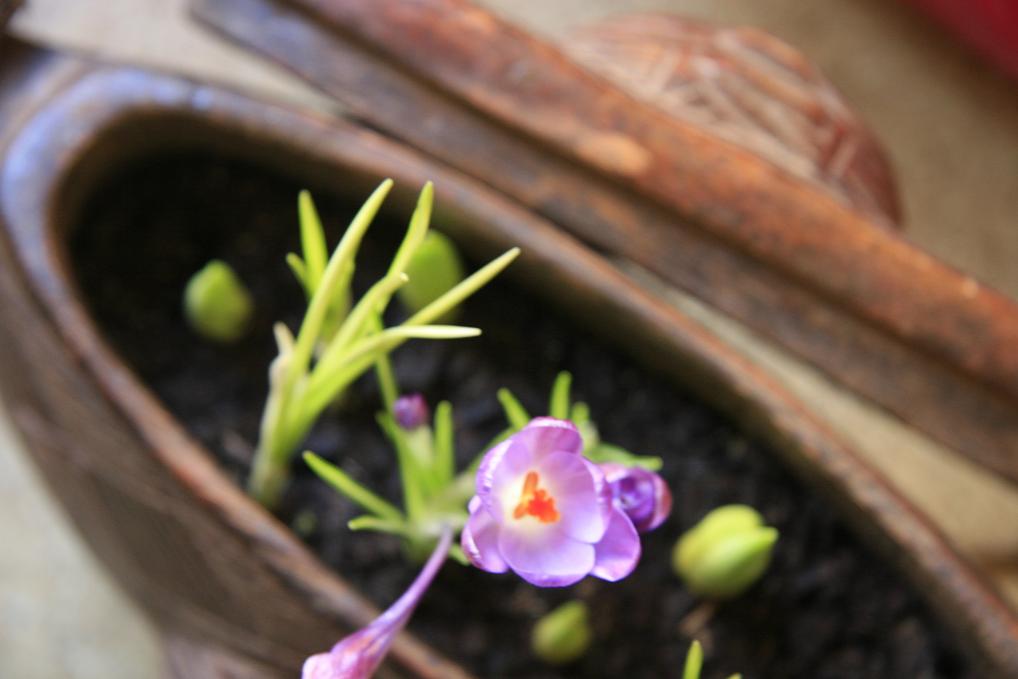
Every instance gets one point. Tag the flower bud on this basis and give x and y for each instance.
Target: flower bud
(563, 635)
(359, 655)
(217, 304)
(411, 411)
(640, 493)
(725, 553)
(434, 269)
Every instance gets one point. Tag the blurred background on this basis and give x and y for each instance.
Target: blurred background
(947, 118)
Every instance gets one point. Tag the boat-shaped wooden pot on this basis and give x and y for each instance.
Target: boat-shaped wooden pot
(232, 590)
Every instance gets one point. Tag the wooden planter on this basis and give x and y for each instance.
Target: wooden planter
(232, 590)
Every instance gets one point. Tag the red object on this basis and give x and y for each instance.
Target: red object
(990, 26)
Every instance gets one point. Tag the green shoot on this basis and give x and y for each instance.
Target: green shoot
(335, 343)
(560, 406)
(694, 663)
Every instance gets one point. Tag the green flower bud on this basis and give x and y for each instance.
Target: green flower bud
(562, 635)
(217, 304)
(725, 553)
(434, 269)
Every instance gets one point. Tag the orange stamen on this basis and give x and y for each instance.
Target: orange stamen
(535, 501)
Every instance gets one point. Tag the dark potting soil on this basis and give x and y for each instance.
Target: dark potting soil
(827, 607)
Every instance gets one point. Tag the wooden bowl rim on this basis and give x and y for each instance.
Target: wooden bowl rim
(133, 96)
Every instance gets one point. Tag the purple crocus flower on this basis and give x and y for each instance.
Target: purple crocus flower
(547, 513)
(410, 411)
(640, 493)
(359, 655)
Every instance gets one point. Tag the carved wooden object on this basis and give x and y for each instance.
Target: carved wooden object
(232, 589)
(786, 255)
(751, 89)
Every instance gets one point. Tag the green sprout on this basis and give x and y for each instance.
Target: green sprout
(694, 663)
(310, 270)
(561, 406)
(434, 269)
(563, 635)
(314, 368)
(217, 304)
(725, 553)
(433, 495)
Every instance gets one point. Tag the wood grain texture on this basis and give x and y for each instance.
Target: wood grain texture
(932, 346)
(7, 8)
(749, 88)
(177, 533)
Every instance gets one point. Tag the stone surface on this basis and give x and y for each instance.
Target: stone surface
(60, 615)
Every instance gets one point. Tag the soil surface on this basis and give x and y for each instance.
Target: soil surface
(827, 607)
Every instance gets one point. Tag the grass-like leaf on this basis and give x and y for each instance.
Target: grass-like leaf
(411, 470)
(378, 525)
(416, 230)
(694, 662)
(342, 258)
(559, 401)
(467, 287)
(346, 485)
(514, 411)
(312, 238)
(445, 463)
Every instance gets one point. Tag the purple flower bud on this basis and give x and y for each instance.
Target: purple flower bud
(640, 493)
(545, 512)
(410, 411)
(359, 655)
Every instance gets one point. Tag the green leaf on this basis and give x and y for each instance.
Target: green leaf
(300, 271)
(378, 525)
(328, 379)
(580, 414)
(469, 286)
(312, 238)
(358, 321)
(606, 452)
(283, 337)
(515, 413)
(559, 402)
(326, 292)
(694, 662)
(458, 555)
(383, 371)
(416, 231)
(346, 485)
(411, 473)
(445, 453)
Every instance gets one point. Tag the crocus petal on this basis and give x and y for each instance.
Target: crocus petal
(480, 540)
(359, 655)
(618, 552)
(545, 556)
(546, 435)
(577, 486)
(640, 493)
(505, 478)
(320, 666)
(490, 463)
